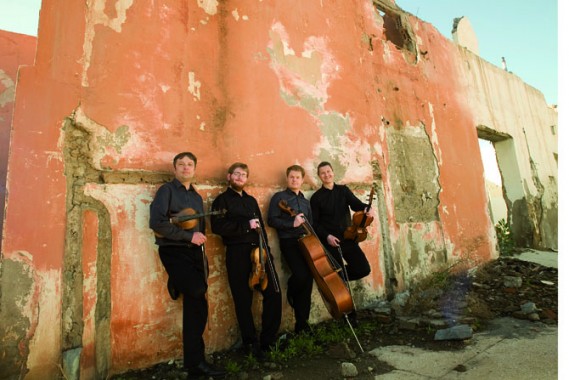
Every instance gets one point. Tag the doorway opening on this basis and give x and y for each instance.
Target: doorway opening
(493, 182)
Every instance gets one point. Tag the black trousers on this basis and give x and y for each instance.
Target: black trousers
(239, 265)
(357, 266)
(186, 268)
(300, 282)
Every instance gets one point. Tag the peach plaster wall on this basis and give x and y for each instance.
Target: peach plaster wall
(122, 86)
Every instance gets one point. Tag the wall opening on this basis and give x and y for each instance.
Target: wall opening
(397, 27)
(493, 182)
(520, 209)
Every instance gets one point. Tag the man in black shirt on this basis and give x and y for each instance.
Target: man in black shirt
(182, 254)
(242, 229)
(331, 206)
(290, 229)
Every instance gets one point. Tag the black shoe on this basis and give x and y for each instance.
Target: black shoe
(302, 327)
(174, 293)
(204, 369)
(250, 349)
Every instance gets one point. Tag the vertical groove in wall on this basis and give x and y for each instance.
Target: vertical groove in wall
(78, 172)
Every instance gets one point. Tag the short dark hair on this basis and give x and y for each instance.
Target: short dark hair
(322, 164)
(190, 155)
(239, 165)
(295, 168)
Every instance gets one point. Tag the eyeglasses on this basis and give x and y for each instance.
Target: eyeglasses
(239, 174)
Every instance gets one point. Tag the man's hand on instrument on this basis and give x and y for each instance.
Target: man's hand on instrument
(333, 241)
(298, 220)
(254, 224)
(198, 238)
(369, 214)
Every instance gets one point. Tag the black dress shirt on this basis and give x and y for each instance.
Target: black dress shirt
(331, 210)
(233, 224)
(171, 198)
(282, 221)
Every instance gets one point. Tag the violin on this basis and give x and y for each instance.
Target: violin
(332, 287)
(258, 277)
(188, 218)
(360, 221)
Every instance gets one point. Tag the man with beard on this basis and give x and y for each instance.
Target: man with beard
(242, 230)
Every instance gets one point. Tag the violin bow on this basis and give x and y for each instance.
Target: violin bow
(185, 218)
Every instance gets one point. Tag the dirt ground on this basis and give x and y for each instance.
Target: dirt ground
(504, 287)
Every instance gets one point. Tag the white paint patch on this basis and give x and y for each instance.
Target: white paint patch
(434, 137)
(53, 155)
(307, 75)
(46, 341)
(259, 154)
(194, 86)
(209, 6)
(96, 15)
(236, 16)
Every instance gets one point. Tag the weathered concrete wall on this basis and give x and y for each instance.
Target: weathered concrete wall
(15, 50)
(523, 129)
(119, 87)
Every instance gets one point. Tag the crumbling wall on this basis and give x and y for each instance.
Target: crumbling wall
(119, 87)
(523, 128)
(15, 50)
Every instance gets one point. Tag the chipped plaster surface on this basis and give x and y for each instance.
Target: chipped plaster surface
(414, 170)
(97, 16)
(9, 91)
(194, 85)
(208, 6)
(302, 75)
(304, 79)
(43, 359)
(104, 144)
(25, 326)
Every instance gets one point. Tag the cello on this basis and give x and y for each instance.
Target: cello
(333, 290)
(360, 221)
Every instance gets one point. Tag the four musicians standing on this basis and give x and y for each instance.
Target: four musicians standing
(237, 218)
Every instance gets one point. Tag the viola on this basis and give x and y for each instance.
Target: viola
(360, 222)
(258, 278)
(332, 287)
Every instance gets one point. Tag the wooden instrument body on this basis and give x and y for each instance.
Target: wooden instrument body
(334, 291)
(358, 230)
(258, 278)
(360, 222)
